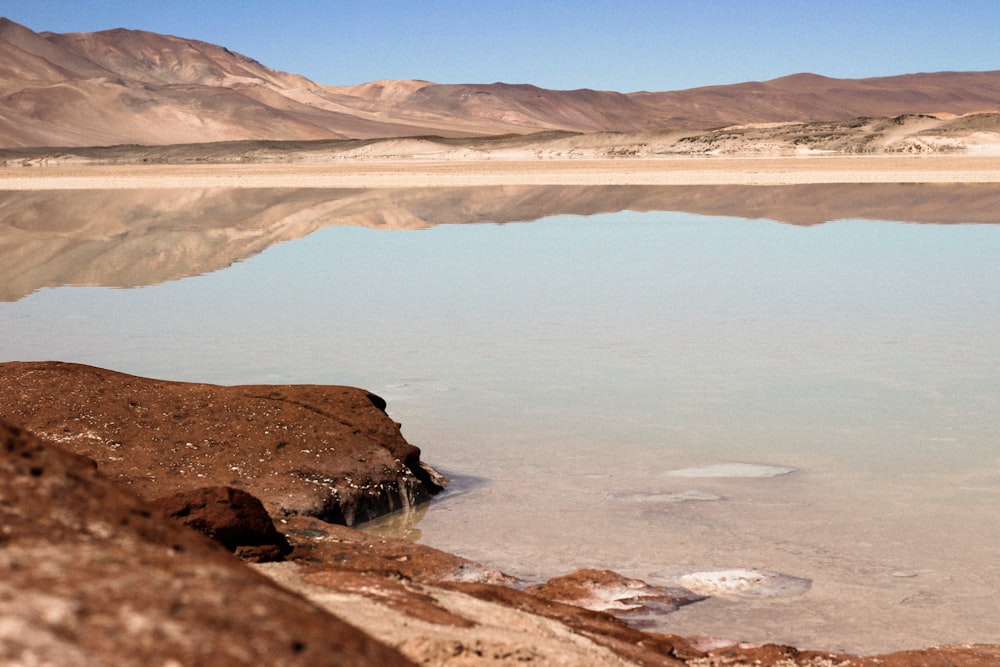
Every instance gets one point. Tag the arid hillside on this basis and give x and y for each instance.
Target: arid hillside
(134, 87)
(972, 134)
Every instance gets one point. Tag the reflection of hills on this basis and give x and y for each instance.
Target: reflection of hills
(128, 238)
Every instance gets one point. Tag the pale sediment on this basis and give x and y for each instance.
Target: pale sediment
(386, 173)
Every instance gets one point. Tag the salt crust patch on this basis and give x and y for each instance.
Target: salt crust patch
(733, 470)
(738, 582)
(680, 497)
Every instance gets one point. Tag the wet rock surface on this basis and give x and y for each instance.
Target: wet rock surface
(603, 590)
(324, 451)
(317, 545)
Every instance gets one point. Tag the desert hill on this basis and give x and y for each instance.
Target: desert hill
(129, 86)
(970, 134)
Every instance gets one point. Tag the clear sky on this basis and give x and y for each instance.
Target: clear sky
(563, 44)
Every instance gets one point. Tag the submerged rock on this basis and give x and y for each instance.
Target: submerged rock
(604, 590)
(737, 582)
(325, 451)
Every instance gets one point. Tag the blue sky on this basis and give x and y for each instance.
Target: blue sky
(606, 45)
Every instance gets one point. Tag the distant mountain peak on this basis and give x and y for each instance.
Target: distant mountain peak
(131, 86)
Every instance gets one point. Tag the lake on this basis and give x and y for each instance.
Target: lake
(656, 380)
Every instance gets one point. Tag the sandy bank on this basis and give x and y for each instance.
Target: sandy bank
(418, 173)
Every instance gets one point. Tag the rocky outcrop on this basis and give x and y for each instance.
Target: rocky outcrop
(323, 451)
(233, 518)
(319, 545)
(604, 590)
(92, 575)
(441, 609)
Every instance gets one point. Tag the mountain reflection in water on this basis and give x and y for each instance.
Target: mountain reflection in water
(130, 238)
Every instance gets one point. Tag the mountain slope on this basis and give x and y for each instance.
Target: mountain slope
(129, 86)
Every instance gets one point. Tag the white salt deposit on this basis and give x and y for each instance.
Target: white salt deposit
(737, 582)
(679, 497)
(732, 470)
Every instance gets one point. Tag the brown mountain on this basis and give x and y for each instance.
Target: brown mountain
(128, 86)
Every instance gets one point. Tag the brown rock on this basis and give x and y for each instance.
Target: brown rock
(969, 655)
(393, 592)
(324, 451)
(466, 624)
(318, 545)
(632, 645)
(416, 598)
(92, 575)
(604, 590)
(231, 517)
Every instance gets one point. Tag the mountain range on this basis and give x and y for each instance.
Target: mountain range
(134, 87)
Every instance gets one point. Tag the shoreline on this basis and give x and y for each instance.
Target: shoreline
(403, 172)
(400, 595)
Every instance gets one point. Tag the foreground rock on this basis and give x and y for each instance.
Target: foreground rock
(440, 609)
(231, 517)
(324, 451)
(92, 575)
(317, 544)
(466, 623)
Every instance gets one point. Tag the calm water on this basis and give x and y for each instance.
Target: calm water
(560, 369)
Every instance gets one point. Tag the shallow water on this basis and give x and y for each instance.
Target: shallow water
(838, 386)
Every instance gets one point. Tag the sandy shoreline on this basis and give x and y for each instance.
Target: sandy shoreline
(420, 173)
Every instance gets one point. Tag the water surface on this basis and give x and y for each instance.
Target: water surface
(562, 370)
